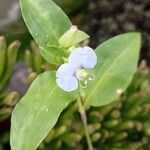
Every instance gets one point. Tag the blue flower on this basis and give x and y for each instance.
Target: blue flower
(71, 73)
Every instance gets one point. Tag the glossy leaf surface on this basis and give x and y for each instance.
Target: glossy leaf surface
(117, 62)
(46, 23)
(72, 37)
(37, 112)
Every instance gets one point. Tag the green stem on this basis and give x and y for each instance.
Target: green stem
(84, 120)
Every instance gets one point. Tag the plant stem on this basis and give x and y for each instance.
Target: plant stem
(84, 121)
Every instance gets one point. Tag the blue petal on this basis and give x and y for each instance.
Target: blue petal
(90, 58)
(65, 70)
(75, 58)
(83, 57)
(68, 84)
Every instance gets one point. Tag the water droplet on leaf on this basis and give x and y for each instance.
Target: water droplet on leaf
(119, 91)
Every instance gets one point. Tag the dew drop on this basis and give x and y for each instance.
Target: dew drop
(73, 28)
(119, 91)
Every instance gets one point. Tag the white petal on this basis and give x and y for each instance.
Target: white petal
(90, 58)
(68, 84)
(75, 58)
(65, 70)
(83, 57)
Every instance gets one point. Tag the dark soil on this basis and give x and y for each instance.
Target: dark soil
(107, 18)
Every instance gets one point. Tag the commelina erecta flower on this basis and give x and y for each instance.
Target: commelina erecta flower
(70, 74)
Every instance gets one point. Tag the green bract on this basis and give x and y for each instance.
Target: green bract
(72, 37)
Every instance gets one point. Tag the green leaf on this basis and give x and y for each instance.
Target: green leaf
(37, 112)
(117, 62)
(72, 37)
(45, 21)
(53, 55)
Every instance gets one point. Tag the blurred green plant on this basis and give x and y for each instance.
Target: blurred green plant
(7, 103)
(35, 61)
(8, 56)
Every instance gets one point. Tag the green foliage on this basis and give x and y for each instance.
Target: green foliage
(46, 27)
(33, 58)
(117, 62)
(37, 112)
(120, 125)
(72, 37)
(132, 109)
(35, 100)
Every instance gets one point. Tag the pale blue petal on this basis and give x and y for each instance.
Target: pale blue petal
(68, 84)
(83, 57)
(65, 70)
(75, 58)
(90, 58)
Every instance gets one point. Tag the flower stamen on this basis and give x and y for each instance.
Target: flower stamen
(83, 84)
(81, 74)
(91, 77)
